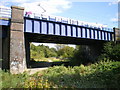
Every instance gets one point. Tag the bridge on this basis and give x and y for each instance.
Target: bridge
(18, 30)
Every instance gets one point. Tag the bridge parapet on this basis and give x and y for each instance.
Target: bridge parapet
(5, 12)
(5, 15)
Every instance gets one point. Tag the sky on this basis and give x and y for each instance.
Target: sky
(94, 11)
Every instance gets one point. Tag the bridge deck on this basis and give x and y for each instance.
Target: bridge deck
(5, 21)
(45, 27)
(48, 25)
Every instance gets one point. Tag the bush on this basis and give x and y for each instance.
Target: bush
(37, 82)
(80, 56)
(111, 51)
(103, 74)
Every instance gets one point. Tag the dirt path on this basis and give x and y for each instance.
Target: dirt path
(32, 71)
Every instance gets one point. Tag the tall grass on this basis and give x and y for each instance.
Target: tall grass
(12, 80)
(103, 74)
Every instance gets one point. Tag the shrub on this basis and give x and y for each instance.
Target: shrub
(38, 82)
(103, 74)
(81, 56)
(111, 51)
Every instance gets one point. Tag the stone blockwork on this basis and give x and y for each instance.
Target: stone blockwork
(92, 52)
(117, 34)
(17, 43)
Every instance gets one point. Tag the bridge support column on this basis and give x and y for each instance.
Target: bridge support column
(117, 35)
(17, 44)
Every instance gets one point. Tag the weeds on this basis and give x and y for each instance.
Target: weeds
(103, 74)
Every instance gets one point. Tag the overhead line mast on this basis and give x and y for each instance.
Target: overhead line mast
(42, 8)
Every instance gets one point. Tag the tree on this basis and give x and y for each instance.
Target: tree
(41, 51)
(80, 56)
(33, 47)
(66, 52)
(111, 51)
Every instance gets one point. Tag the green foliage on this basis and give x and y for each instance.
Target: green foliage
(80, 56)
(37, 82)
(41, 51)
(103, 74)
(37, 55)
(12, 81)
(66, 52)
(111, 51)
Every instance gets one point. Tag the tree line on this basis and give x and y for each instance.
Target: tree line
(76, 55)
(60, 51)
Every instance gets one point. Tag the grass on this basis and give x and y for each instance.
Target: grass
(104, 74)
(12, 80)
(99, 75)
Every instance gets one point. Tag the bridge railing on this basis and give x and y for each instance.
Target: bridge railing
(68, 21)
(5, 12)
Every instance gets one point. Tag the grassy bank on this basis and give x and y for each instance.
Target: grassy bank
(104, 74)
